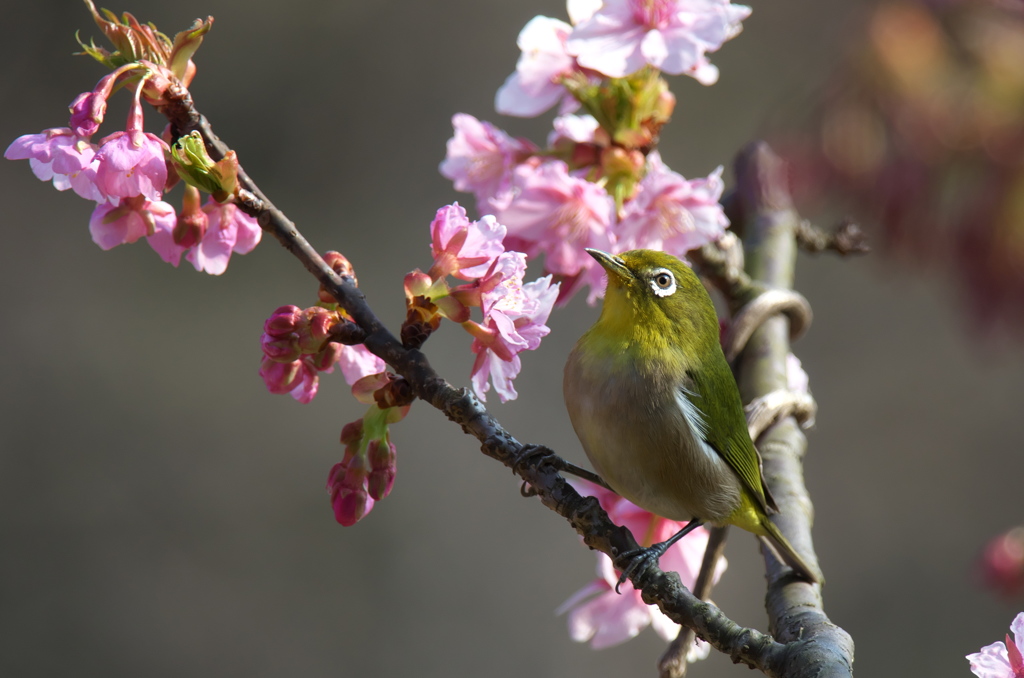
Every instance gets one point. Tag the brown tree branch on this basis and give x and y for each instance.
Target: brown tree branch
(673, 662)
(749, 646)
(794, 607)
(848, 238)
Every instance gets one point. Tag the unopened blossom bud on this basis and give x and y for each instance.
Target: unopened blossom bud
(281, 350)
(326, 357)
(340, 265)
(82, 120)
(192, 220)
(314, 328)
(349, 497)
(320, 323)
(352, 433)
(1002, 563)
(281, 377)
(381, 454)
(282, 321)
(350, 505)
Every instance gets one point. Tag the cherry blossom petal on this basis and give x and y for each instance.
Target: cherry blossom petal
(534, 87)
(357, 362)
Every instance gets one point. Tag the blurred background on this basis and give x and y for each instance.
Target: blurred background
(161, 514)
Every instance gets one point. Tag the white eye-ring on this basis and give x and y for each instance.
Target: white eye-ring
(663, 282)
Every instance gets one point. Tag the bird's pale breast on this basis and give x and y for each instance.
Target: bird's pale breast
(635, 434)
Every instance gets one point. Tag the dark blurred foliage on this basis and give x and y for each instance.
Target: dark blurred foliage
(920, 132)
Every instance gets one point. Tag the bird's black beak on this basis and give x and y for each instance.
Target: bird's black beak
(611, 263)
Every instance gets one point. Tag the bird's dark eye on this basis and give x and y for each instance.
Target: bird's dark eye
(663, 283)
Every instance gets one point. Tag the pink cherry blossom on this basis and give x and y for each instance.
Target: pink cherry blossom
(357, 362)
(464, 248)
(62, 156)
(672, 214)
(480, 159)
(581, 10)
(132, 162)
(674, 36)
(579, 129)
(1001, 660)
(598, 615)
(229, 230)
(560, 216)
(133, 218)
(514, 321)
(535, 86)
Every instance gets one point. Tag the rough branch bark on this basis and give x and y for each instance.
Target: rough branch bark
(749, 646)
(794, 608)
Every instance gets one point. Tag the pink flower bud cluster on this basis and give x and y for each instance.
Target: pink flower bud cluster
(366, 473)
(514, 313)
(126, 172)
(598, 615)
(296, 349)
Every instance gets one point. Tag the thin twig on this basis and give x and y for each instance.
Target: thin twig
(848, 238)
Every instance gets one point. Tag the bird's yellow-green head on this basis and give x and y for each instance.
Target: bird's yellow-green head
(653, 302)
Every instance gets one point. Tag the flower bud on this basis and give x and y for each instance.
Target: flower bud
(282, 322)
(381, 454)
(192, 220)
(340, 265)
(284, 350)
(320, 323)
(83, 120)
(351, 505)
(326, 357)
(281, 377)
(352, 433)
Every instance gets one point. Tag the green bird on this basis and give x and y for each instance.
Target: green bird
(657, 410)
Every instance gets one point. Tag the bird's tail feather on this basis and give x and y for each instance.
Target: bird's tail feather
(787, 554)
